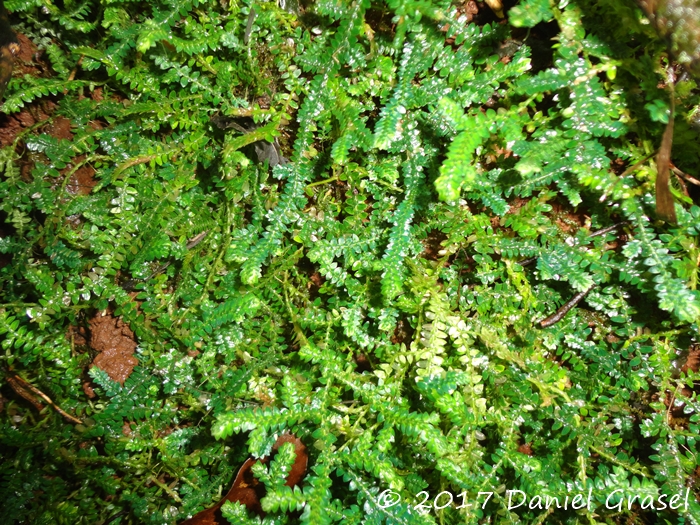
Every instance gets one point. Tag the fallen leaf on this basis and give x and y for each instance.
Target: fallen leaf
(247, 490)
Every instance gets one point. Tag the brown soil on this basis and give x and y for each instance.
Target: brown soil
(77, 334)
(693, 361)
(27, 60)
(83, 180)
(363, 364)
(316, 280)
(87, 388)
(12, 125)
(402, 333)
(59, 128)
(433, 245)
(116, 343)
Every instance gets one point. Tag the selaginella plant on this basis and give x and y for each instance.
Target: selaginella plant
(388, 289)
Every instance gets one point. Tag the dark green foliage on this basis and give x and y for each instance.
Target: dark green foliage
(368, 295)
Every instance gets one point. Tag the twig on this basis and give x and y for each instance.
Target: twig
(20, 390)
(685, 176)
(143, 159)
(596, 233)
(114, 517)
(684, 186)
(21, 386)
(607, 229)
(527, 261)
(629, 170)
(559, 314)
(196, 239)
(671, 402)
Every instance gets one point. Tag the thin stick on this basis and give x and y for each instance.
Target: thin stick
(559, 314)
(685, 176)
(607, 229)
(629, 170)
(527, 261)
(17, 380)
(20, 390)
(637, 165)
(596, 233)
(196, 239)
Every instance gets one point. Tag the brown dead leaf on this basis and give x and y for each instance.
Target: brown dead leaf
(249, 491)
(664, 200)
